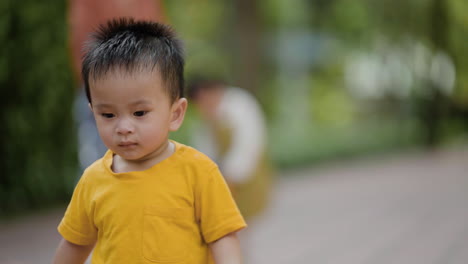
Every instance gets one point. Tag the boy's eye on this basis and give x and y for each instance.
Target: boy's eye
(140, 113)
(107, 115)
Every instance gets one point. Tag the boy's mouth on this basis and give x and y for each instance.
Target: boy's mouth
(127, 144)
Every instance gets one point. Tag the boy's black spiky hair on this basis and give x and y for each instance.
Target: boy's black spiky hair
(130, 45)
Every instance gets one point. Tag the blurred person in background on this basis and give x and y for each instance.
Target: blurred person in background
(234, 134)
(84, 18)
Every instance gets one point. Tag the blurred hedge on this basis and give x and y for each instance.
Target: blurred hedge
(38, 164)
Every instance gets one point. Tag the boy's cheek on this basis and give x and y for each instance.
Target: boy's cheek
(103, 129)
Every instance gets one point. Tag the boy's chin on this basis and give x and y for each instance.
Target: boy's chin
(132, 157)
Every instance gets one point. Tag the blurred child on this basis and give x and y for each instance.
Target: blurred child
(234, 135)
(149, 199)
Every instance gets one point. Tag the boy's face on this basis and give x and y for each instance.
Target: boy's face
(134, 114)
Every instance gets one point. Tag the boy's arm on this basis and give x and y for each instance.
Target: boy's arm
(69, 253)
(226, 250)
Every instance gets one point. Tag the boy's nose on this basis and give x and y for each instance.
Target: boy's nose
(124, 127)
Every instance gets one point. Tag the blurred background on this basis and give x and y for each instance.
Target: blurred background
(366, 105)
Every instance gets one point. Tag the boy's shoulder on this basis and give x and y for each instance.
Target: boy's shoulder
(96, 168)
(193, 157)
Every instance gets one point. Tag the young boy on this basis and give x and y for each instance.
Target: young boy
(149, 199)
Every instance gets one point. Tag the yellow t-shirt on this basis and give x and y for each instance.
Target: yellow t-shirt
(166, 214)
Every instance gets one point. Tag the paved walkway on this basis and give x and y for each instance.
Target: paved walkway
(410, 208)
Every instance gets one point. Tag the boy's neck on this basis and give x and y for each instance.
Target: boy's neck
(120, 165)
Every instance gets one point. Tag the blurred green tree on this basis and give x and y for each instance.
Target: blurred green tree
(327, 35)
(38, 164)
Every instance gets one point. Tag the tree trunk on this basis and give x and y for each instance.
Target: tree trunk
(247, 29)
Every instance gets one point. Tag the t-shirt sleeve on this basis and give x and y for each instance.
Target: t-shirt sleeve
(217, 212)
(77, 225)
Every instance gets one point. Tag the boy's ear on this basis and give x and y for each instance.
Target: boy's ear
(177, 114)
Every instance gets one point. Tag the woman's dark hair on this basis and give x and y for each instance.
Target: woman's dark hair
(198, 84)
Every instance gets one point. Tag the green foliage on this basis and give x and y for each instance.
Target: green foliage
(321, 143)
(458, 42)
(39, 150)
(203, 29)
(311, 102)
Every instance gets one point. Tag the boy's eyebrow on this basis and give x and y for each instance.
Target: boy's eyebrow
(137, 102)
(101, 105)
(141, 101)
